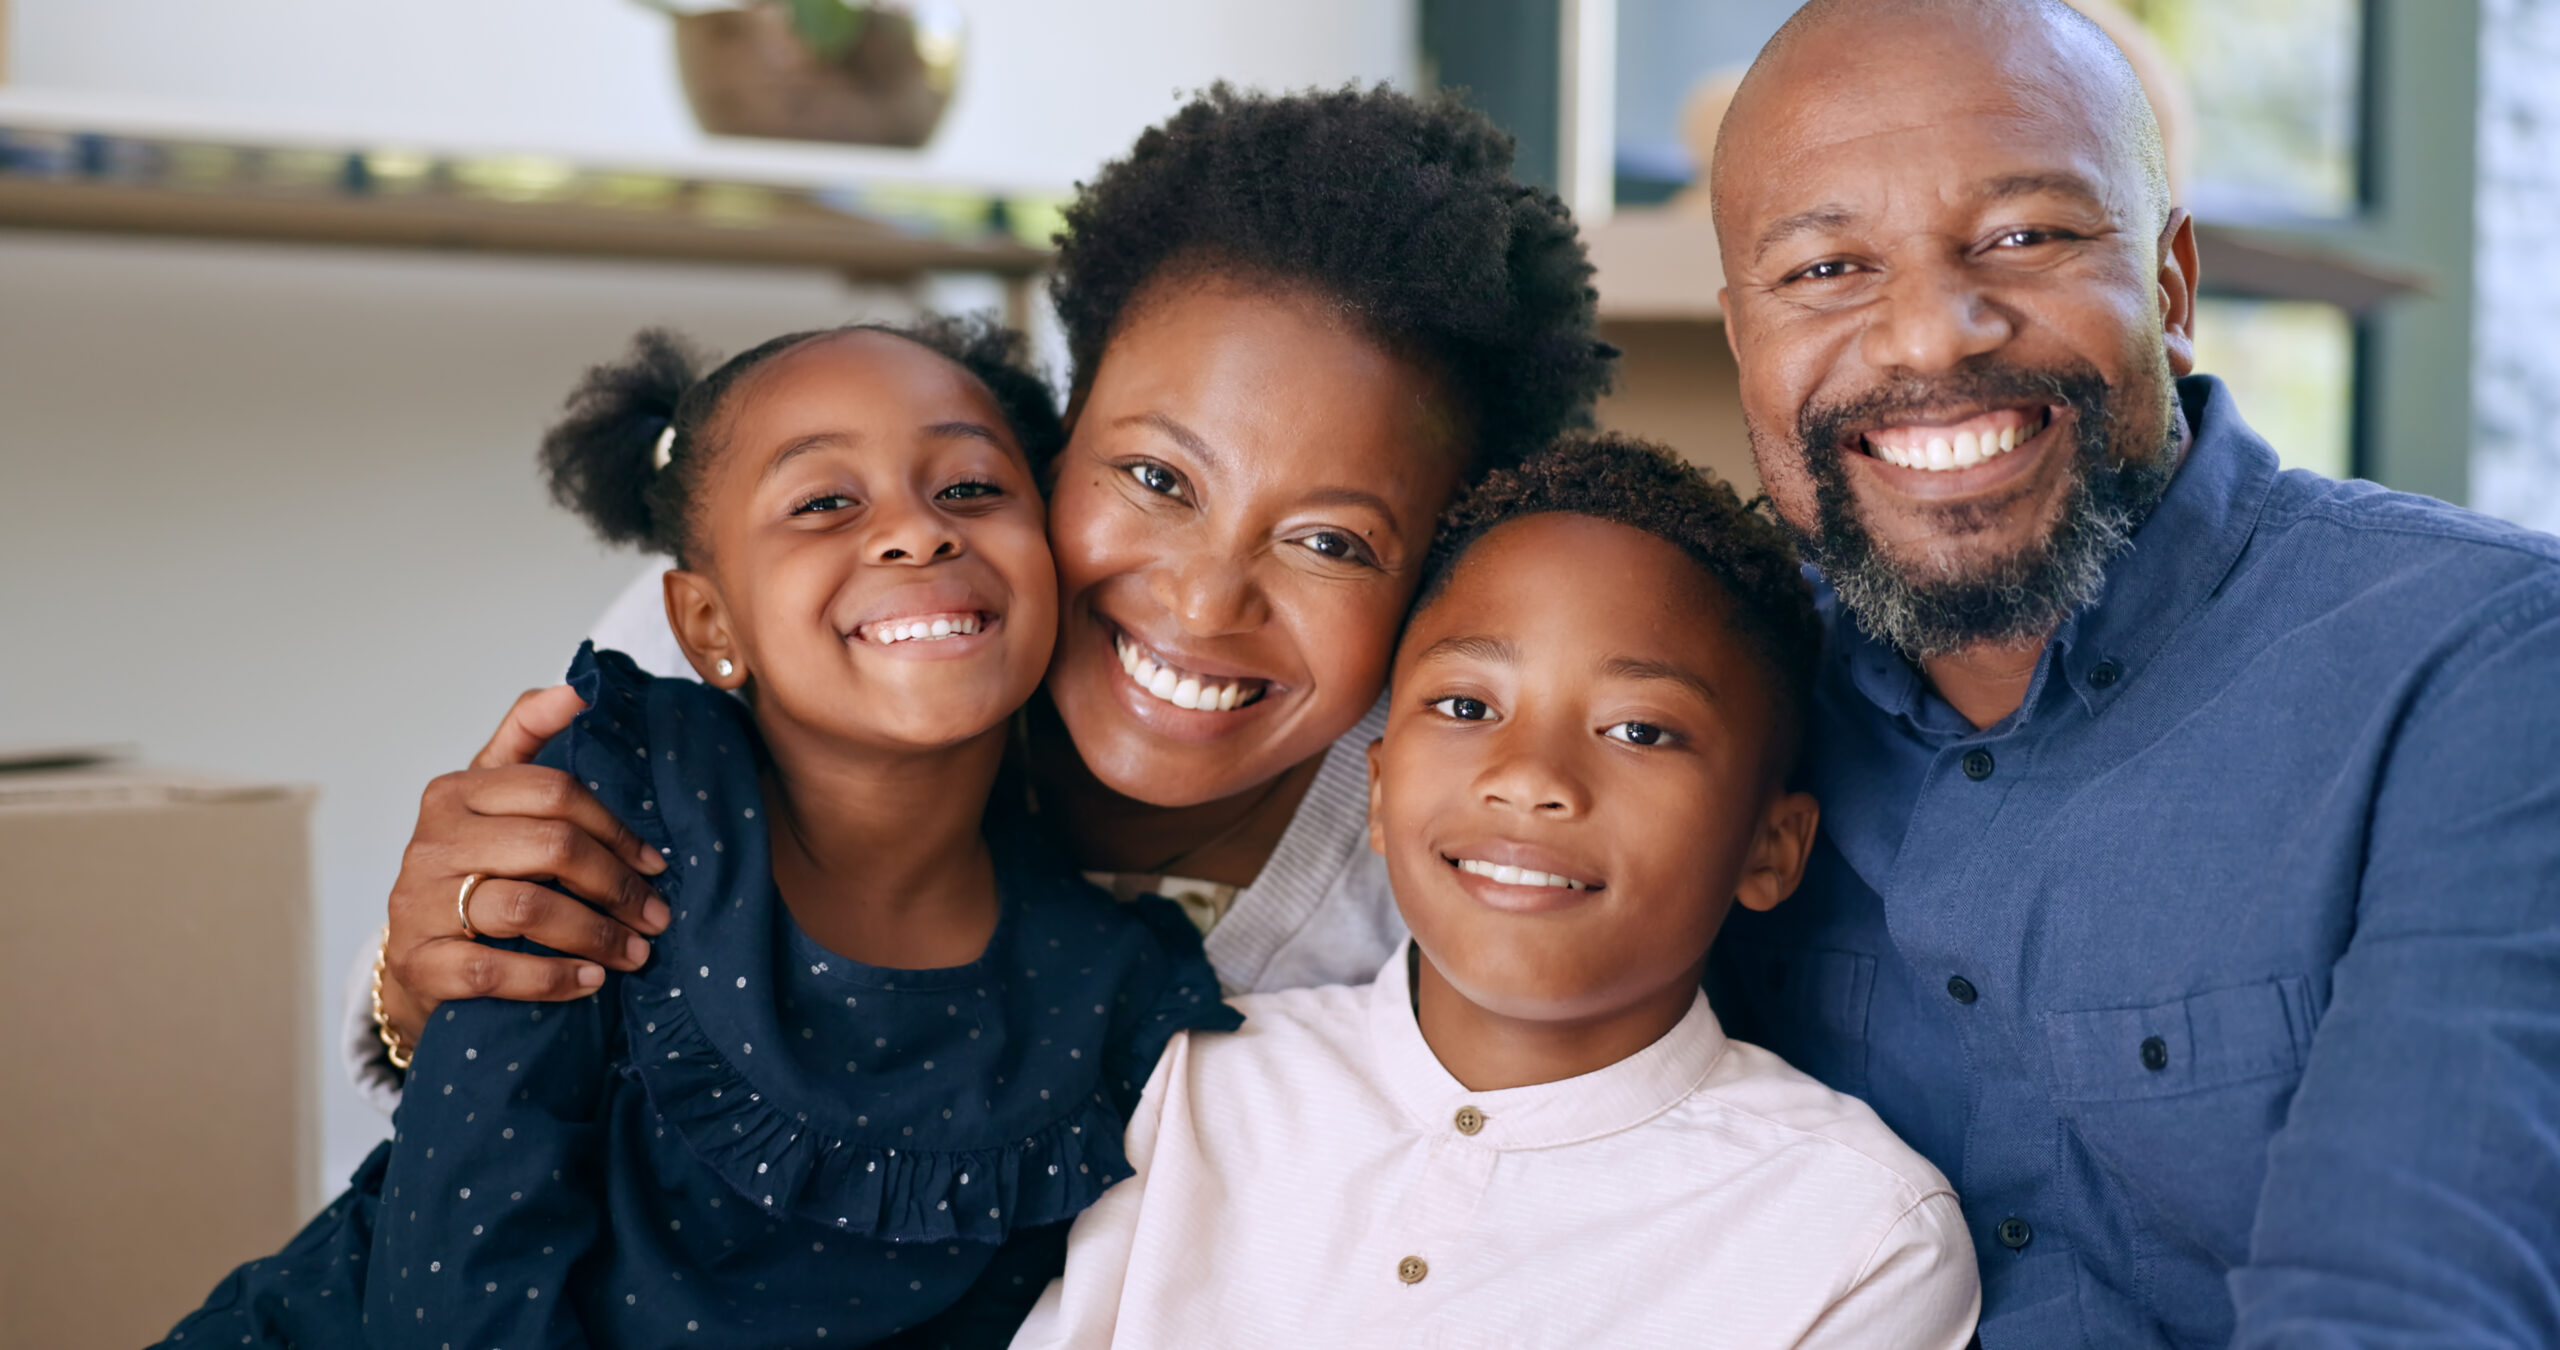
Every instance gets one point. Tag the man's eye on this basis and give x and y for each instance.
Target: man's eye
(1157, 479)
(1830, 269)
(2025, 238)
(1635, 733)
(961, 492)
(1462, 709)
(824, 501)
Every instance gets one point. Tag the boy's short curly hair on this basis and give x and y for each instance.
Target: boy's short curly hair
(1400, 210)
(1644, 486)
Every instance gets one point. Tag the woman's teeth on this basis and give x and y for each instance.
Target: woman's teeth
(1938, 450)
(1180, 687)
(923, 629)
(1517, 876)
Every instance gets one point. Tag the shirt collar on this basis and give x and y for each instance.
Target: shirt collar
(1542, 1115)
(2179, 557)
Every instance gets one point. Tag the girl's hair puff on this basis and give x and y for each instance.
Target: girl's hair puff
(601, 458)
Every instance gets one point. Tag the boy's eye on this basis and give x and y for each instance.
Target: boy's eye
(1157, 479)
(1462, 709)
(1635, 733)
(824, 501)
(961, 492)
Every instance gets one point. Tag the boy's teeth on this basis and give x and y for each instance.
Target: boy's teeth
(910, 630)
(1181, 688)
(1508, 875)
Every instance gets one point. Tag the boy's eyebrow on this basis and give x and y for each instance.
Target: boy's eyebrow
(1477, 647)
(1634, 668)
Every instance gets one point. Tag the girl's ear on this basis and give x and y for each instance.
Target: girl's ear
(701, 623)
(1779, 850)
(1377, 834)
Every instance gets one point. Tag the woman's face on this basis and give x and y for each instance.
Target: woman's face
(1238, 518)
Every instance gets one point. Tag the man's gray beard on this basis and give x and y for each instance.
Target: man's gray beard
(1925, 613)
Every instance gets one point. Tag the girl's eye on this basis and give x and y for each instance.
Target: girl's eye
(961, 492)
(824, 501)
(1336, 544)
(1635, 733)
(1157, 479)
(1462, 709)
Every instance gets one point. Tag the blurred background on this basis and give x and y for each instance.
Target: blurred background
(288, 289)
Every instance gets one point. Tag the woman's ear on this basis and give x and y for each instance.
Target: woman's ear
(701, 624)
(1779, 850)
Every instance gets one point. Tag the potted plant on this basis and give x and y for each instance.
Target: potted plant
(860, 71)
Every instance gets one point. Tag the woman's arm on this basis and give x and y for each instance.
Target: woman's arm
(516, 823)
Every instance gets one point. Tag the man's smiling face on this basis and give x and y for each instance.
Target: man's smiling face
(1959, 305)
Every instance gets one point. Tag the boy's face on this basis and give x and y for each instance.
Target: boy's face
(1575, 705)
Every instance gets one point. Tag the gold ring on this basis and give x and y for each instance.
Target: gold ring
(462, 904)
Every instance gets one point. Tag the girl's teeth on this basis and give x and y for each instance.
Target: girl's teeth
(1507, 875)
(1179, 688)
(926, 629)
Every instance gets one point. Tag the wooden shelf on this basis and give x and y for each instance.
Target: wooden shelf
(147, 185)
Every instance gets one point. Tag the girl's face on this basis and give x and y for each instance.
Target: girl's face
(876, 568)
(1238, 518)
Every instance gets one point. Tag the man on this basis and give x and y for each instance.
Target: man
(2190, 882)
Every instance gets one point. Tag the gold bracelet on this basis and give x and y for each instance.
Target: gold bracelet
(393, 1043)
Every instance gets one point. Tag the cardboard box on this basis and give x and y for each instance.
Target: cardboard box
(156, 1122)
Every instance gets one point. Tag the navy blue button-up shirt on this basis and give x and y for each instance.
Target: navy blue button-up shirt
(2223, 977)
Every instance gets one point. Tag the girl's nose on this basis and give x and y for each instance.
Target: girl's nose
(912, 533)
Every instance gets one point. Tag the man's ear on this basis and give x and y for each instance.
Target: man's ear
(2178, 290)
(700, 620)
(1377, 834)
(1779, 850)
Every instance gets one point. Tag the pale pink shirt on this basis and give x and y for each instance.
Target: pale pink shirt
(1319, 1179)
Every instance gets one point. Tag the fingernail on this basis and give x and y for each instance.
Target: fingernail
(652, 861)
(637, 949)
(590, 976)
(656, 914)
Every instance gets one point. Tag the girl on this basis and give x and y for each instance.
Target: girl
(884, 1046)
(1298, 325)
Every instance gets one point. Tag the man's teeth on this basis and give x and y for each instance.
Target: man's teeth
(924, 629)
(1963, 450)
(1516, 876)
(1181, 688)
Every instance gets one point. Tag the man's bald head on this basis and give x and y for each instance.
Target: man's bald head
(2080, 63)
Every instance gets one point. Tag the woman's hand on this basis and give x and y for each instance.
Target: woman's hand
(515, 822)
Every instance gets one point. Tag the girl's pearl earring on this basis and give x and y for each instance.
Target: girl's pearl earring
(724, 667)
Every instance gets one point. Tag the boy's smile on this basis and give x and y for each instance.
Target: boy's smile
(1581, 770)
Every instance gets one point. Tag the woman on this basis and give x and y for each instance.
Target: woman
(1297, 325)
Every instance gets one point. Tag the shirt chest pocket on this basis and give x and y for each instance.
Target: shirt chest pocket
(2178, 1100)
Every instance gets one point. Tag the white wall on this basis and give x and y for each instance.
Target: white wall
(1050, 88)
(272, 512)
(2515, 383)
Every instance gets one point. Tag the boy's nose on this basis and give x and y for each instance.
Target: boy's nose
(1527, 775)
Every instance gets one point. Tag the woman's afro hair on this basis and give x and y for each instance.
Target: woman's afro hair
(601, 457)
(1401, 211)
(1643, 486)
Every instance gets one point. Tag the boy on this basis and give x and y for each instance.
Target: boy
(1531, 1131)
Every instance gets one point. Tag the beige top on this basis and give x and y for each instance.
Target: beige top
(1319, 1179)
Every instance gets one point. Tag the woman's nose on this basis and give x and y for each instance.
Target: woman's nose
(1211, 597)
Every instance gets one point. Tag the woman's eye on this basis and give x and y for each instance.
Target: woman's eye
(961, 492)
(1157, 479)
(1462, 709)
(824, 501)
(1635, 733)
(1335, 544)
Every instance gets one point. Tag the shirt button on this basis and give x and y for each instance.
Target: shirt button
(1413, 1268)
(2155, 1053)
(1470, 1120)
(1961, 989)
(2104, 674)
(2014, 1233)
(1977, 764)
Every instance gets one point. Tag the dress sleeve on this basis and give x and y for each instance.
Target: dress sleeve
(1174, 989)
(1919, 1291)
(495, 1185)
(2413, 1195)
(1082, 1307)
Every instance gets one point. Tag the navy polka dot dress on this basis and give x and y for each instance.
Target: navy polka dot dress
(752, 1141)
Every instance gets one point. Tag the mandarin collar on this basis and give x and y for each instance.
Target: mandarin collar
(1541, 1115)
(2179, 557)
